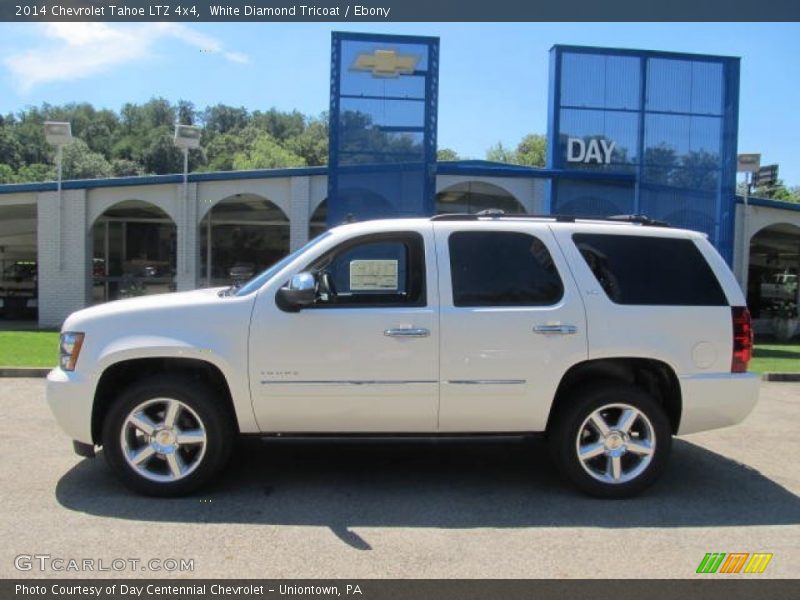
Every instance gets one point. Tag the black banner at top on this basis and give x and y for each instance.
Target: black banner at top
(398, 10)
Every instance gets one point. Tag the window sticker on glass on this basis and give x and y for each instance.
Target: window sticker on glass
(371, 275)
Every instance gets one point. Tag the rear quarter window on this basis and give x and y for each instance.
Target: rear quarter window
(650, 270)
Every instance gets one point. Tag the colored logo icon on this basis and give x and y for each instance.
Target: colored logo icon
(734, 562)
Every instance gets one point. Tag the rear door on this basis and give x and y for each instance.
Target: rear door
(512, 322)
(650, 292)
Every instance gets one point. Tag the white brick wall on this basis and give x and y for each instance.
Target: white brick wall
(188, 240)
(299, 212)
(63, 248)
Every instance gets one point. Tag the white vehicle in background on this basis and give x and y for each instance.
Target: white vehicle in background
(782, 287)
(608, 336)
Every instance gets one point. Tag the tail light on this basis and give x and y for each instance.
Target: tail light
(742, 339)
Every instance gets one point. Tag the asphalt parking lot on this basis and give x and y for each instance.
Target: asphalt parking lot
(290, 510)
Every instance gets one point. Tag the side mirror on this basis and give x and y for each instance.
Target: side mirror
(299, 293)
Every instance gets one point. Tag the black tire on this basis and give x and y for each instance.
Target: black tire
(571, 420)
(204, 405)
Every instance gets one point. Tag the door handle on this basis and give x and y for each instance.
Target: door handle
(417, 332)
(555, 329)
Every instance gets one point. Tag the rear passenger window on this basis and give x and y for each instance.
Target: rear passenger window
(650, 270)
(499, 268)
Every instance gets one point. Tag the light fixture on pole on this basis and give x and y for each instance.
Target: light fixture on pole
(58, 134)
(186, 138)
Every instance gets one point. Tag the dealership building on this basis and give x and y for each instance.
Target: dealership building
(629, 132)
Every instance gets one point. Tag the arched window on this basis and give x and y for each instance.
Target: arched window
(774, 270)
(133, 252)
(240, 236)
(475, 196)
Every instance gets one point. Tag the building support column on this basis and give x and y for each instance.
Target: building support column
(64, 252)
(187, 242)
(299, 212)
(741, 245)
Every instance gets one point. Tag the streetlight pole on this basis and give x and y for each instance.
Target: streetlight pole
(186, 138)
(185, 202)
(58, 134)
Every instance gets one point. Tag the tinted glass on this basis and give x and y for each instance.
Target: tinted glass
(688, 86)
(492, 268)
(652, 271)
(377, 270)
(600, 81)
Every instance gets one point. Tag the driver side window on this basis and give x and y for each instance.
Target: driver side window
(373, 270)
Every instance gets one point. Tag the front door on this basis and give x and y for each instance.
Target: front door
(512, 323)
(364, 357)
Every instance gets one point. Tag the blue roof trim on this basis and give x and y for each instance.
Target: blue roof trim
(78, 184)
(478, 168)
(769, 203)
(485, 168)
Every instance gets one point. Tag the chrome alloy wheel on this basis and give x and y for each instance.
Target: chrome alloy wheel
(616, 443)
(163, 440)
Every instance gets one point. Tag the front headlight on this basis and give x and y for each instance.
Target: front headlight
(69, 349)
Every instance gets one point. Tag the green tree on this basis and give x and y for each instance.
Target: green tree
(122, 167)
(267, 153)
(81, 163)
(221, 119)
(532, 150)
(160, 156)
(36, 172)
(778, 192)
(280, 125)
(499, 153)
(11, 150)
(7, 174)
(446, 154)
(312, 143)
(187, 115)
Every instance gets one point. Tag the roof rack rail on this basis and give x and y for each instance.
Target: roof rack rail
(495, 213)
(640, 219)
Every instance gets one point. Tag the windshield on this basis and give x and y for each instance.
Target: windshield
(260, 279)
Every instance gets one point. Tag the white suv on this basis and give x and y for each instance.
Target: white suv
(609, 336)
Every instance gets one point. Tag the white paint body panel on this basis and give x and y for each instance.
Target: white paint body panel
(334, 370)
(496, 373)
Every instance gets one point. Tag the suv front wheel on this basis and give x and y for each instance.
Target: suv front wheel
(167, 436)
(611, 442)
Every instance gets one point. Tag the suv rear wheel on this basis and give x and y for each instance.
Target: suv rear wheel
(611, 442)
(167, 436)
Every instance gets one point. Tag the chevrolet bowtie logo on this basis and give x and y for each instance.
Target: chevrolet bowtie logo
(386, 63)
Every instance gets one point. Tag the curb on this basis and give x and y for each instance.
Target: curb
(781, 377)
(23, 372)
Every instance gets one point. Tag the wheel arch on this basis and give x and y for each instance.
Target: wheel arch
(123, 373)
(655, 377)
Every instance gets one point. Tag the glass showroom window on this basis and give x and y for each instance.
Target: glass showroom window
(475, 196)
(134, 252)
(247, 234)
